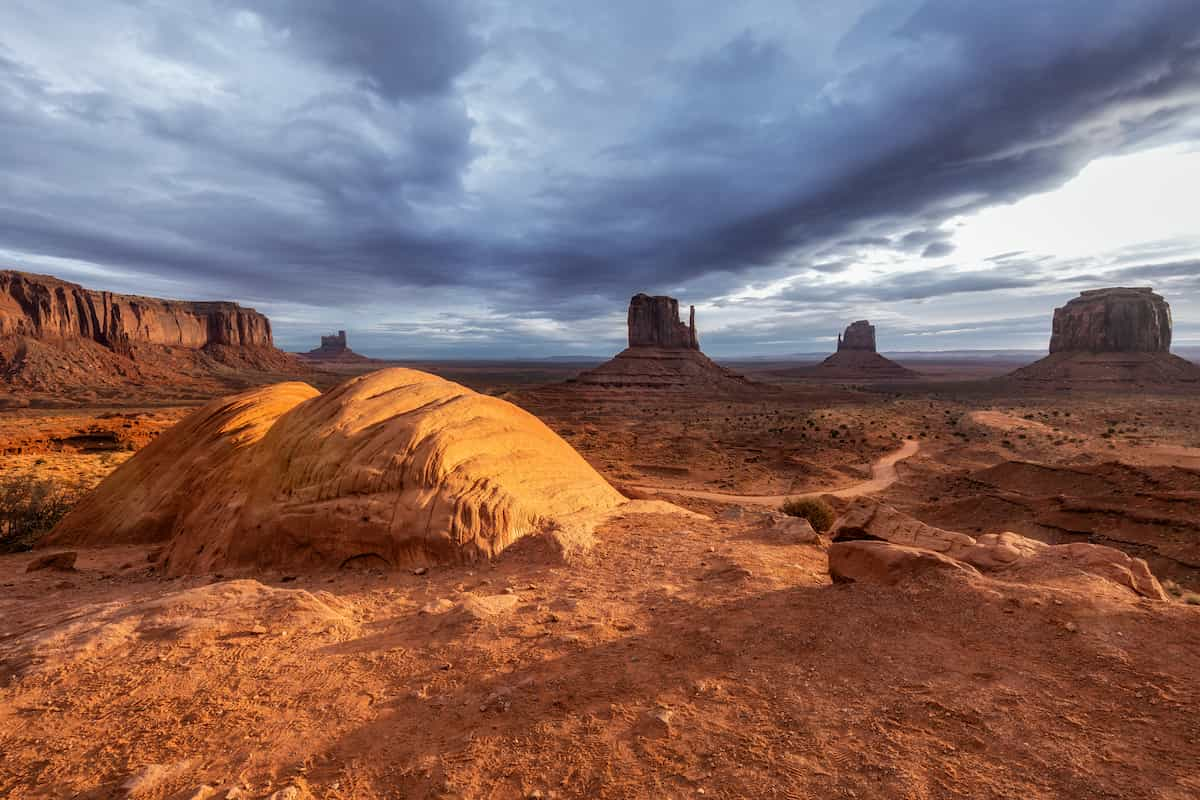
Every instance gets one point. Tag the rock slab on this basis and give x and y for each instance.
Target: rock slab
(870, 525)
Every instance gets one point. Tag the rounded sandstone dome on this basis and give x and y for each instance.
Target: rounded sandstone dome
(391, 468)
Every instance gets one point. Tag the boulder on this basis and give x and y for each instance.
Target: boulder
(1005, 554)
(654, 322)
(886, 563)
(59, 562)
(858, 336)
(394, 468)
(867, 519)
(1117, 320)
(788, 529)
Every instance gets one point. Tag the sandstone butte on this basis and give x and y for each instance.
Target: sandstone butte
(334, 348)
(856, 357)
(56, 335)
(396, 467)
(663, 354)
(1112, 336)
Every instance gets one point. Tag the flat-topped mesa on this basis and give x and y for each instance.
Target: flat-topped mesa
(858, 336)
(1107, 338)
(654, 322)
(1116, 320)
(46, 308)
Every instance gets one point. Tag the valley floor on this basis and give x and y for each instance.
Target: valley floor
(683, 656)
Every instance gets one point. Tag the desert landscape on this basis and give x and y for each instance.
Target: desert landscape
(372, 581)
(493, 400)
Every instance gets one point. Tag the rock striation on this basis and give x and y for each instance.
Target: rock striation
(1111, 337)
(393, 468)
(1117, 320)
(663, 354)
(44, 307)
(334, 348)
(59, 339)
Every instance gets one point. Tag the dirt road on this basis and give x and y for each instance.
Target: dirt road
(883, 475)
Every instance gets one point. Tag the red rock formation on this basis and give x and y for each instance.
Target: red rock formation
(394, 468)
(65, 342)
(1108, 337)
(334, 348)
(858, 336)
(663, 354)
(1117, 320)
(857, 360)
(654, 322)
(44, 307)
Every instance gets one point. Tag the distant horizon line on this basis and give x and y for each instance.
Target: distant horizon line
(796, 356)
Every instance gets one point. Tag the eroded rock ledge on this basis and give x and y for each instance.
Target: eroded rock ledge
(46, 308)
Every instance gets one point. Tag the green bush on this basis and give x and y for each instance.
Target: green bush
(817, 512)
(30, 507)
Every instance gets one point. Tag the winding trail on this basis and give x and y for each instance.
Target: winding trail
(883, 475)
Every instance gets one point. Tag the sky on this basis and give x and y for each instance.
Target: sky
(495, 178)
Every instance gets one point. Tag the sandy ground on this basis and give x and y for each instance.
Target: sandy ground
(883, 475)
(681, 657)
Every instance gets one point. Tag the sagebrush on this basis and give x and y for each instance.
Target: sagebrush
(817, 512)
(30, 506)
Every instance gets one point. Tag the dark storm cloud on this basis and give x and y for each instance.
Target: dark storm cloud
(414, 48)
(335, 154)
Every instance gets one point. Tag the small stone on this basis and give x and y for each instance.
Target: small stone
(656, 724)
(440, 606)
(420, 570)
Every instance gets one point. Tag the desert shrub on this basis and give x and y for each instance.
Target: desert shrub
(1176, 591)
(30, 506)
(817, 512)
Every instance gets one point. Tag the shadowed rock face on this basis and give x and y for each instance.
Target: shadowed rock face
(43, 307)
(1117, 320)
(654, 322)
(858, 336)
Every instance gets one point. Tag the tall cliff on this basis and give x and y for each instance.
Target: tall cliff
(654, 322)
(46, 308)
(858, 336)
(1116, 320)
